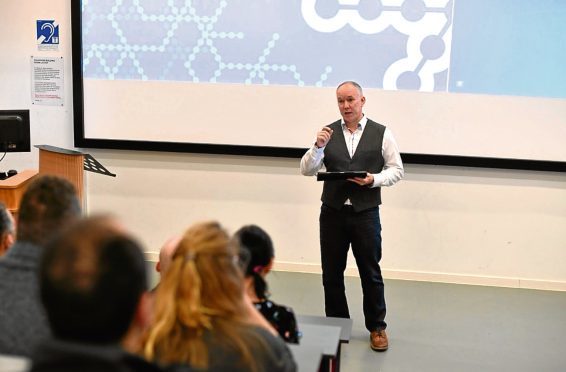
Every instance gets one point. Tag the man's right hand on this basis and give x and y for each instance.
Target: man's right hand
(323, 137)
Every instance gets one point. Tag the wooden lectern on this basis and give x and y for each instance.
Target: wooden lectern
(69, 164)
(12, 189)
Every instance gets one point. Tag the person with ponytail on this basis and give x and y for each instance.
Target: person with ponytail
(202, 316)
(256, 246)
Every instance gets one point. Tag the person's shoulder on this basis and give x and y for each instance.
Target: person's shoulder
(136, 363)
(278, 356)
(25, 253)
(178, 368)
(284, 309)
(261, 332)
(271, 339)
(19, 266)
(270, 308)
(376, 124)
(58, 355)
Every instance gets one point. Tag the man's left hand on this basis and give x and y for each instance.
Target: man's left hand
(366, 181)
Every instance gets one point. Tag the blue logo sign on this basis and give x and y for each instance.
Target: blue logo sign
(47, 32)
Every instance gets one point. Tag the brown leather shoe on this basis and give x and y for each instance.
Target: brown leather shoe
(378, 340)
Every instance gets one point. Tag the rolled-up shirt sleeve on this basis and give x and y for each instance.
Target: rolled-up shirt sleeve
(393, 165)
(311, 162)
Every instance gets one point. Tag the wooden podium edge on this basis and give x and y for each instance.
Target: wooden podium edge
(13, 188)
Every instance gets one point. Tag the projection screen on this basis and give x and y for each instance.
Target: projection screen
(462, 82)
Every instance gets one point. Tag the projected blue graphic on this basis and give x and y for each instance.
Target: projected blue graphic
(388, 44)
(509, 47)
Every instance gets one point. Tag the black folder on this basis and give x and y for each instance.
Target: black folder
(334, 176)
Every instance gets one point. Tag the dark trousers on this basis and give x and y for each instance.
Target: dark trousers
(339, 229)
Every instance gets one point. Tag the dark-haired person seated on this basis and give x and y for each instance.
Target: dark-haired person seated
(258, 250)
(48, 204)
(93, 287)
(201, 315)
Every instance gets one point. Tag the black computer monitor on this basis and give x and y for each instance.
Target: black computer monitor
(14, 131)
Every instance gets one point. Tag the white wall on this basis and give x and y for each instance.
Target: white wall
(493, 227)
(49, 124)
(461, 225)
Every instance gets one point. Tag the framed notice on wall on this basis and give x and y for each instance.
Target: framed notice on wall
(47, 81)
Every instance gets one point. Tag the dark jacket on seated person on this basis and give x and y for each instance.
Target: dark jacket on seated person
(48, 204)
(282, 318)
(276, 357)
(256, 256)
(22, 319)
(61, 356)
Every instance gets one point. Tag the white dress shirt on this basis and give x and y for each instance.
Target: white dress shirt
(392, 171)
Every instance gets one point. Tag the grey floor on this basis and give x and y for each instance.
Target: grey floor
(444, 327)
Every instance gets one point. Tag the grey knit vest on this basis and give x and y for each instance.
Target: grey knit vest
(368, 157)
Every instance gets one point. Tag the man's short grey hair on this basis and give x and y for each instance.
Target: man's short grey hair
(358, 86)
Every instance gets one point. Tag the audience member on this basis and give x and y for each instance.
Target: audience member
(165, 258)
(259, 250)
(48, 204)
(166, 254)
(7, 229)
(93, 286)
(201, 315)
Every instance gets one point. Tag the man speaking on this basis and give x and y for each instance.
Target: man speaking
(350, 208)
